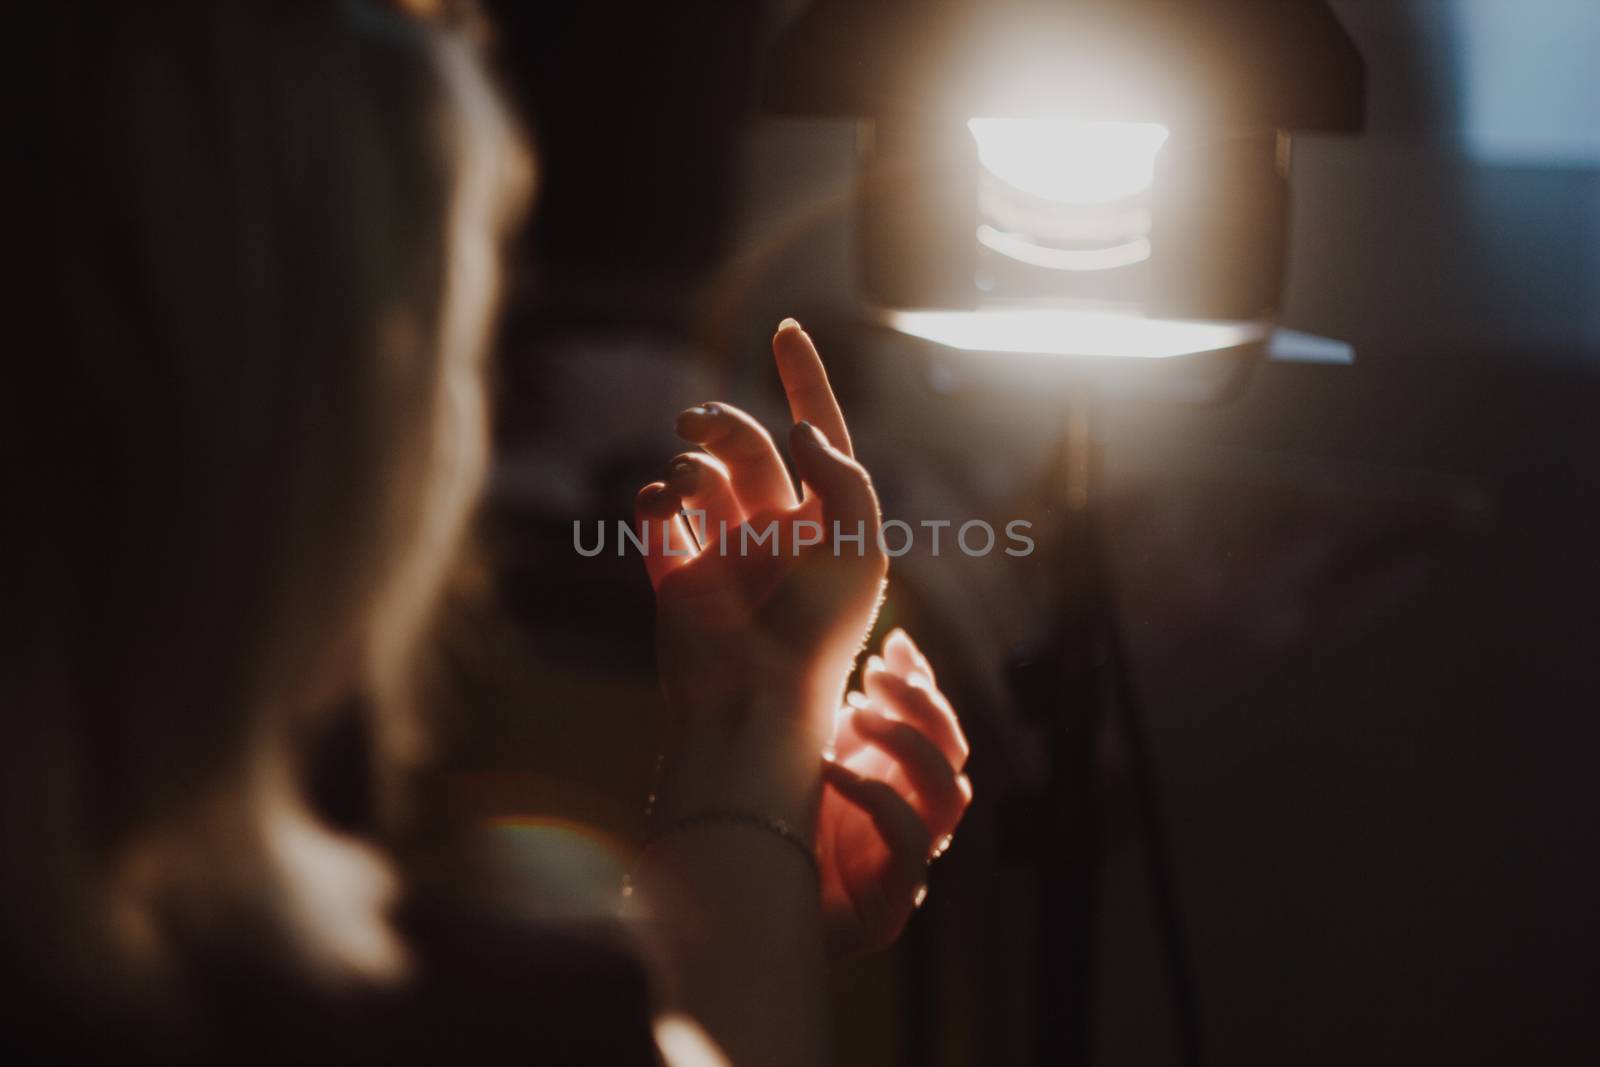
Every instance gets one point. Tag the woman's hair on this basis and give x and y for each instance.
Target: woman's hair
(252, 251)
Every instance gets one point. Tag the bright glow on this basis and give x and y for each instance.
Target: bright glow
(1063, 332)
(1025, 251)
(1068, 161)
(684, 1044)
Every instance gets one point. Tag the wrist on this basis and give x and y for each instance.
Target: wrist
(750, 706)
(775, 831)
(764, 764)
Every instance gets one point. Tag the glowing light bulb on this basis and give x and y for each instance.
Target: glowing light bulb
(1069, 161)
(1066, 195)
(1073, 332)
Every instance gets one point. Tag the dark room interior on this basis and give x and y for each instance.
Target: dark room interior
(1283, 728)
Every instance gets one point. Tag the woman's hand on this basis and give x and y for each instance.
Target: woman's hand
(894, 795)
(756, 640)
(762, 615)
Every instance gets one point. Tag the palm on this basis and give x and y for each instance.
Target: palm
(855, 864)
(778, 613)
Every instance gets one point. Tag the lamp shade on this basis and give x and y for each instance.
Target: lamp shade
(1237, 65)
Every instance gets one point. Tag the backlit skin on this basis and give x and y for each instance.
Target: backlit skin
(755, 651)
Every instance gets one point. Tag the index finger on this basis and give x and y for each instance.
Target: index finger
(805, 383)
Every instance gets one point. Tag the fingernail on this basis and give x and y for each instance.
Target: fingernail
(695, 424)
(875, 664)
(684, 475)
(654, 498)
(919, 680)
(787, 324)
(813, 436)
(857, 700)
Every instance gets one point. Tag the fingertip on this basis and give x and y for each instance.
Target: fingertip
(898, 650)
(657, 503)
(901, 650)
(806, 436)
(656, 499)
(785, 326)
(683, 476)
(900, 635)
(876, 665)
(697, 424)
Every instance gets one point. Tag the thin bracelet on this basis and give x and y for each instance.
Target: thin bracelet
(771, 824)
